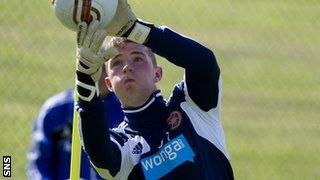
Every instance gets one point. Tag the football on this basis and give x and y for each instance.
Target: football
(70, 12)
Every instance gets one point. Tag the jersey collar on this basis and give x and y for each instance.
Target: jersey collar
(150, 118)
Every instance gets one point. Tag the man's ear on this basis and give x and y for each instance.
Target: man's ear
(108, 83)
(158, 75)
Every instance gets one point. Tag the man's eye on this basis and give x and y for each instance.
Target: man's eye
(116, 63)
(137, 59)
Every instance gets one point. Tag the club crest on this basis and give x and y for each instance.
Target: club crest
(174, 120)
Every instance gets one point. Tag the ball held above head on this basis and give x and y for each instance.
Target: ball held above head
(71, 12)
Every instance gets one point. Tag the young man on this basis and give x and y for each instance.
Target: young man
(49, 156)
(177, 139)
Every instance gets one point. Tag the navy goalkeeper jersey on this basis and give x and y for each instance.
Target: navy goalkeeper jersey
(181, 138)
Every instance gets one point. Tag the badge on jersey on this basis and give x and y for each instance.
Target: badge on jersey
(171, 155)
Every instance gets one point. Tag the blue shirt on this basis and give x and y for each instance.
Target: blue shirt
(49, 156)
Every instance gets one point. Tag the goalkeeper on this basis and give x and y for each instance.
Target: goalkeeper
(181, 138)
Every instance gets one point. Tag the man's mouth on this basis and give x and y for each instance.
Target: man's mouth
(128, 80)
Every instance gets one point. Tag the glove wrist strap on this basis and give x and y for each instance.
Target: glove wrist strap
(140, 32)
(82, 87)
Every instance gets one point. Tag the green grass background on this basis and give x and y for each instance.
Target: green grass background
(268, 52)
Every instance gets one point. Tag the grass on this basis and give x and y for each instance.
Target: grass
(268, 53)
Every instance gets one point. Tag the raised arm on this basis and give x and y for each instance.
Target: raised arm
(102, 152)
(95, 137)
(201, 69)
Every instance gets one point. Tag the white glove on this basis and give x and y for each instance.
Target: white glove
(122, 21)
(89, 59)
(126, 24)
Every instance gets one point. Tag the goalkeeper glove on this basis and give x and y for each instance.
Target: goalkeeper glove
(89, 59)
(126, 24)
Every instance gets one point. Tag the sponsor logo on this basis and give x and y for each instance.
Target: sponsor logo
(171, 155)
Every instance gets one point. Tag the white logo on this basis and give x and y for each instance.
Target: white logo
(168, 152)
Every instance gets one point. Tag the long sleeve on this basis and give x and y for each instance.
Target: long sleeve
(102, 152)
(201, 69)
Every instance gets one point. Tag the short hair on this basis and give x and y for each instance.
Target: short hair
(119, 43)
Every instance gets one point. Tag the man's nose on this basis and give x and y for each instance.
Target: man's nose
(127, 68)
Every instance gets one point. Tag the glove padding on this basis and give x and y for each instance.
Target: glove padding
(126, 24)
(122, 21)
(90, 59)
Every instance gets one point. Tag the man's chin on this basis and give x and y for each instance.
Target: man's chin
(131, 90)
(129, 87)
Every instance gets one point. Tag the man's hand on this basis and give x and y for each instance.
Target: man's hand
(126, 24)
(89, 59)
(122, 21)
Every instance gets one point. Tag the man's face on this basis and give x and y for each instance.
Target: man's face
(132, 75)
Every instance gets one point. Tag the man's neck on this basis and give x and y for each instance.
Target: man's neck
(136, 101)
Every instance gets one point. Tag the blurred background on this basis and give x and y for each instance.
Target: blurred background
(269, 56)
